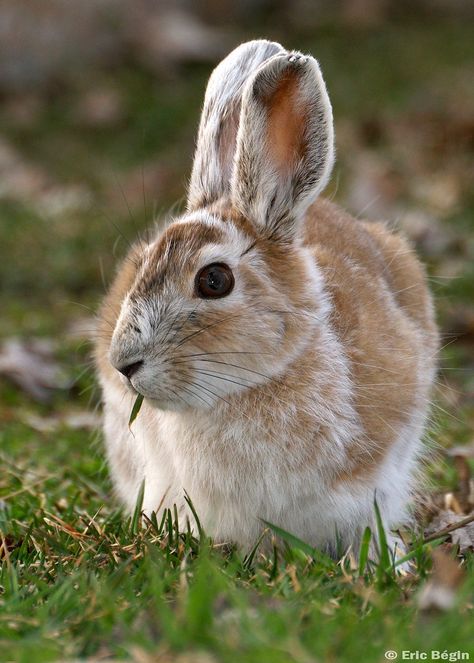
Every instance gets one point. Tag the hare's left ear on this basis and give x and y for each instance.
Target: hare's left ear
(285, 144)
(215, 149)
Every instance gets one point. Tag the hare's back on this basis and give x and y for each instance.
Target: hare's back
(382, 315)
(370, 269)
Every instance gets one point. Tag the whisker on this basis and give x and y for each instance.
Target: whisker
(181, 398)
(189, 391)
(172, 324)
(203, 329)
(224, 376)
(224, 363)
(121, 234)
(236, 315)
(132, 218)
(182, 325)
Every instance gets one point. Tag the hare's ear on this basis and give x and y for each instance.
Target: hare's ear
(213, 160)
(285, 144)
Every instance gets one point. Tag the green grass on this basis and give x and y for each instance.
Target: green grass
(80, 579)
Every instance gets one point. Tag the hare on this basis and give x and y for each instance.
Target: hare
(285, 350)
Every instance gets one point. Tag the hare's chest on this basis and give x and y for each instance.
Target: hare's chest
(212, 455)
(225, 465)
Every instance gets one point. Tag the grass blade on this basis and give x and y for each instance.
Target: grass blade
(426, 545)
(384, 564)
(248, 559)
(297, 543)
(135, 409)
(193, 511)
(137, 513)
(364, 550)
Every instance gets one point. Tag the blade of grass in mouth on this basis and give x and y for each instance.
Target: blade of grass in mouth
(135, 409)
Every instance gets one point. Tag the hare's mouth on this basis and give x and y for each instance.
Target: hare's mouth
(128, 384)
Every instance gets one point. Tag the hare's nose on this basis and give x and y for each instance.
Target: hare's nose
(130, 369)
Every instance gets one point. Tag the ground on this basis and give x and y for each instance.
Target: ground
(83, 168)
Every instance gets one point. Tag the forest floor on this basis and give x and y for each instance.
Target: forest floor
(83, 169)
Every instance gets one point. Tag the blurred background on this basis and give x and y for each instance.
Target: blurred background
(99, 105)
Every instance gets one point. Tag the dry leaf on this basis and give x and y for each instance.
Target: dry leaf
(74, 420)
(83, 328)
(100, 107)
(439, 593)
(465, 451)
(463, 499)
(139, 655)
(31, 365)
(374, 188)
(32, 184)
(173, 36)
(18, 178)
(463, 536)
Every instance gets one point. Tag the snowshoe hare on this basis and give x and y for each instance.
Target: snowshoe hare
(285, 350)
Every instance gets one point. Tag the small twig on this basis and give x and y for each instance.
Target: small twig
(25, 489)
(447, 530)
(4, 550)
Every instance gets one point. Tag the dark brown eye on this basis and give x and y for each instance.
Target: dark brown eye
(214, 281)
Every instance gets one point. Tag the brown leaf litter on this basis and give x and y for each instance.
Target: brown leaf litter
(31, 365)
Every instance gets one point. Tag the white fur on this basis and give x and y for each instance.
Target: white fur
(211, 171)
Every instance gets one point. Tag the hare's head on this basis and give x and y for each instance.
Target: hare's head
(225, 297)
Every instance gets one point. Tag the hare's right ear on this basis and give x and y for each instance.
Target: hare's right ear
(213, 160)
(285, 145)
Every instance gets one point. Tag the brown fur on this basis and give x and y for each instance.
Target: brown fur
(364, 265)
(110, 309)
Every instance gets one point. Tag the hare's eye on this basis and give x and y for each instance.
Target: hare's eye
(215, 280)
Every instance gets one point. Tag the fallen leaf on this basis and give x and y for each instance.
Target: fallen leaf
(464, 450)
(83, 328)
(172, 36)
(62, 200)
(53, 39)
(100, 107)
(32, 367)
(459, 323)
(364, 13)
(461, 536)
(462, 501)
(30, 183)
(451, 503)
(374, 187)
(439, 193)
(139, 655)
(73, 420)
(439, 593)
(23, 110)
(19, 179)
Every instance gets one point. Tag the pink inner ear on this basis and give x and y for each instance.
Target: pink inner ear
(287, 117)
